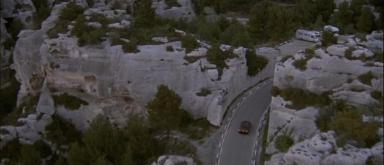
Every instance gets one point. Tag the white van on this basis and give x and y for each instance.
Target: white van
(331, 28)
(308, 35)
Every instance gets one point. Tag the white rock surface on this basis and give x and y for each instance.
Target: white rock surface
(184, 11)
(45, 104)
(173, 160)
(328, 71)
(107, 71)
(348, 156)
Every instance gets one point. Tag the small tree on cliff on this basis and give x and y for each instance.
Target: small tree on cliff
(164, 110)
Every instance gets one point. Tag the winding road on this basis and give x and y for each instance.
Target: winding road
(238, 149)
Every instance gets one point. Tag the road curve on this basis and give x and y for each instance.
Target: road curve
(238, 149)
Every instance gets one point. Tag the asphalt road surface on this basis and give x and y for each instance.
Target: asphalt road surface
(237, 149)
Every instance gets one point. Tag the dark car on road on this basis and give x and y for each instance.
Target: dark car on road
(245, 127)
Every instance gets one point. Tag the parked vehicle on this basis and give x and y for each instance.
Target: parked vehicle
(308, 35)
(331, 28)
(245, 127)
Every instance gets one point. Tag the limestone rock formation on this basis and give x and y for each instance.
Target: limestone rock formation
(345, 75)
(184, 10)
(173, 160)
(45, 104)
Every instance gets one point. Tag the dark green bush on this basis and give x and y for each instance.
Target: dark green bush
(377, 95)
(255, 63)
(283, 142)
(328, 38)
(203, 92)
(366, 78)
(169, 48)
(71, 12)
(67, 14)
(302, 98)
(15, 27)
(60, 27)
(42, 12)
(379, 56)
(69, 102)
(61, 132)
(216, 56)
(92, 37)
(310, 51)
(172, 3)
(197, 129)
(27, 106)
(11, 151)
(131, 46)
(349, 125)
(300, 64)
(189, 43)
(8, 97)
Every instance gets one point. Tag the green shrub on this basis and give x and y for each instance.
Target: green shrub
(377, 95)
(71, 12)
(92, 37)
(169, 48)
(235, 34)
(25, 108)
(42, 12)
(69, 102)
(275, 91)
(310, 51)
(164, 109)
(348, 53)
(379, 56)
(172, 3)
(366, 78)
(216, 56)
(300, 64)
(198, 129)
(349, 125)
(15, 27)
(189, 43)
(29, 155)
(255, 63)
(283, 142)
(302, 98)
(67, 14)
(60, 27)
(328, 38)
(11, 151)
(144, 15)
(61, 132)
(203, 92)
(8, 97)
(285, 58)
(43, 148)
(103, 20)
(131, 46)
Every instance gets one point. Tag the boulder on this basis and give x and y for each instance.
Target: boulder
(45, 104)
(348, 156)
(173, 160)
(183, 11)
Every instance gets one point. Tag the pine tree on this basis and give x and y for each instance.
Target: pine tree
(144, 14)
(365, 21)
(325, 8)
(164, 109)
(258, 21)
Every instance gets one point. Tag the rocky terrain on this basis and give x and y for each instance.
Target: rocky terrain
(150, 81)
(315, 90)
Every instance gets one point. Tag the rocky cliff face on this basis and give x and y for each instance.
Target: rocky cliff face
(345, 71)
(104, 71)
